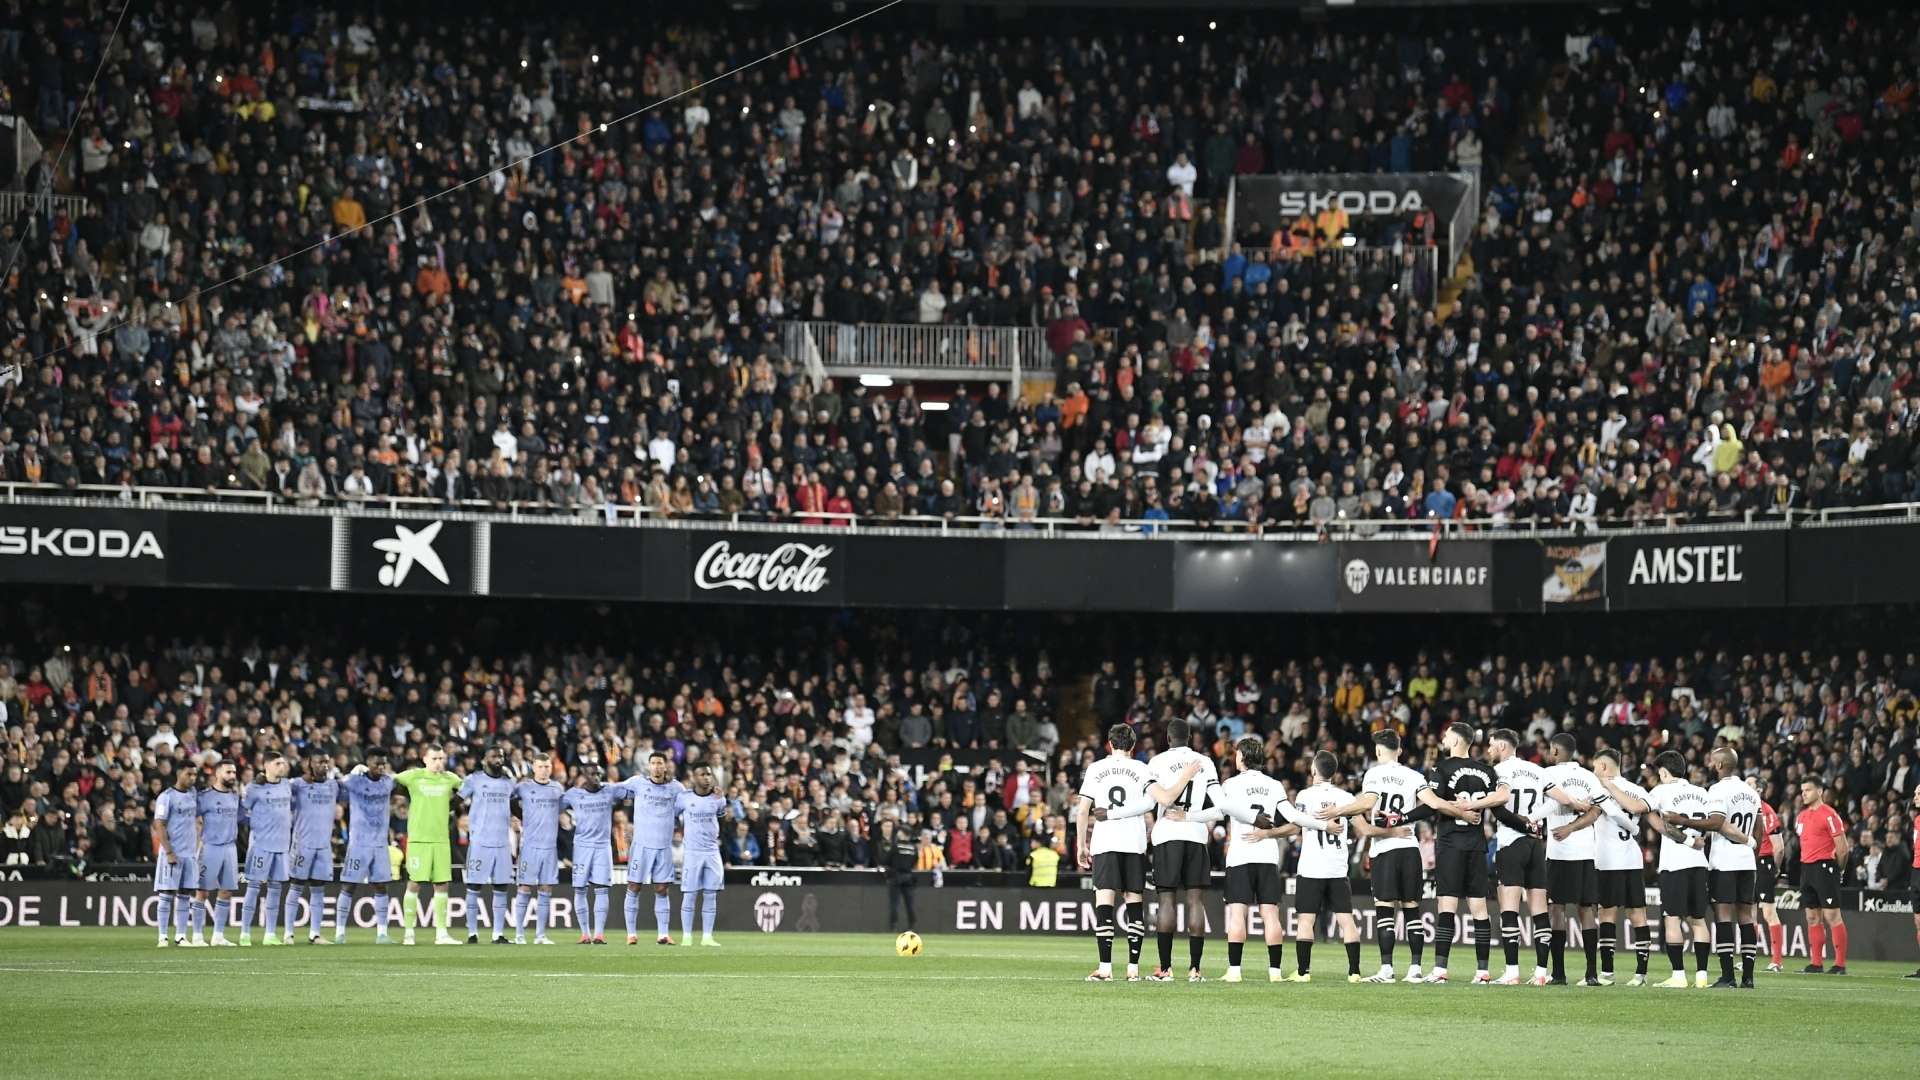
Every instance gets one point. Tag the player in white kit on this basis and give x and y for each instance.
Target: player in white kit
(1322, 886)
(1731, 869)
(1116, 850)
(1622, 868)
(1676, 801)
(1252, 799)
(1520, 862)
(1388, 793)
(1180, 870)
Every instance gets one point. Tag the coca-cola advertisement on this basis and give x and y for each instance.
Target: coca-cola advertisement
(767, 568)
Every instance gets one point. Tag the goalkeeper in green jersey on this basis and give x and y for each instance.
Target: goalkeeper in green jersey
(430, 790)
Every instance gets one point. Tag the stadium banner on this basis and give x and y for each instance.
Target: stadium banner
(1574, 576)
(926, 572)
(766, 567)
(1270, 202)
(1866, 564)
(424, 555)
(782, 900)
(573, 560)
(1708, 569)
(249, 551)
(1252, 577)
(82, 545)
(1090, 575)
(1415, 575)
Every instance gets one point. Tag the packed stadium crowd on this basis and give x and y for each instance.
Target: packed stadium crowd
(807, 740)
(1689, 293)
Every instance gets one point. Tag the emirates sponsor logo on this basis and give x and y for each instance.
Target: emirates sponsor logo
(789, 568)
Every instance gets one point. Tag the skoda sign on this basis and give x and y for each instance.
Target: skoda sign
(56, 544)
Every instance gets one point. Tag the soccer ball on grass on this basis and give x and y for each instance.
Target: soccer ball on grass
(907, 944)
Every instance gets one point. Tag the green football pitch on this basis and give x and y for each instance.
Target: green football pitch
(107, 1003)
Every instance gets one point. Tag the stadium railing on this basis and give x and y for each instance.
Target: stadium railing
(920, 350)
(634, 515)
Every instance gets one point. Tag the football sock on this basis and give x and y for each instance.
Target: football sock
(292, 919)
(1384, 918)
(1135, 915)
(602, 909)
(1303, 955)
(583, 911)
(1608, 943)
(686, 915)
(1416, 936)
(1195, 947)
(248, 903)
(1353, 958)
(1700, 951)
(542, 909)
(662, 913)
(1276, 957)
(497, 913)
(1542, 939)
(220, 915)
(473, 912)
(1642, 947)
(1166, 949)
(1839, 944)
(165, 922)
(1443, 934)
(1675, 950)
(1510, 937)
(517, 906)
(1559, 954)
(410, 911)
(1777, 938)
(272, 906)
(1103, 933)
(632, 912)
(1590, 941)
(1724, 946)
(1235, 949)
(1749, 949)
(196, 915)
(709, 908)
(1817, 943)
(442, 910)
(1482, 943)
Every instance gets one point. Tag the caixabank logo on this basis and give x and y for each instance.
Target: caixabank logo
(373, 554)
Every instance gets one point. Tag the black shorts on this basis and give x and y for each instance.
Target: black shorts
(1311, 895)
(1730, 886)
(1683, 893)
(1572, 881)
(1121, 871)
(1255, 884)
(1460, 869)
(1819, 885)
(1180, 864)
(1522, 864)
(1396, 875)
(1764, 880)
(1623, 888)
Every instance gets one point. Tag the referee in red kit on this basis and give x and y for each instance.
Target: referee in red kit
(1823, 852)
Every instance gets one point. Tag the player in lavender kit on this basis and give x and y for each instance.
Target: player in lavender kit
(702, 811)
(368, 792)
(219, 807)
(540, 801)
(591, 805)
(316, 805)
(176, 831)
(266, 808)
(489, 796)
(651, 861)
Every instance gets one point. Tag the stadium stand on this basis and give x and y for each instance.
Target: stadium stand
(1688, 298)
(808, 736)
